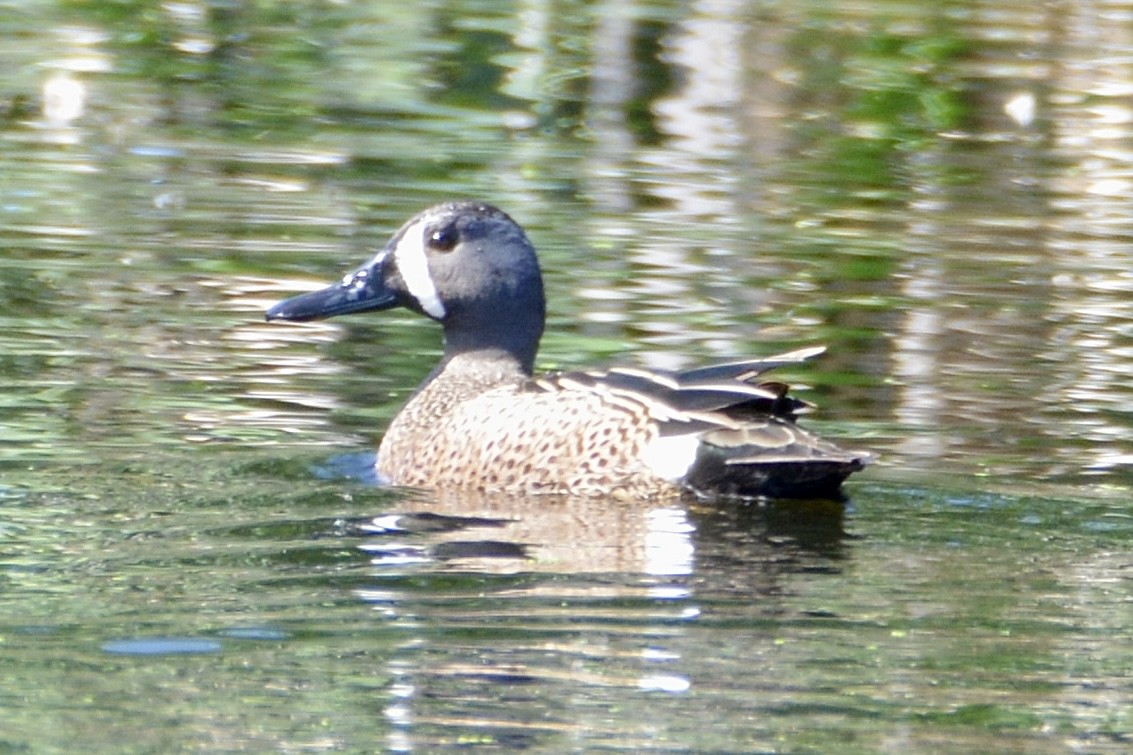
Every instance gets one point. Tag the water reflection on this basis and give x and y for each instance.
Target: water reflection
(702, 118)
(1091, 309)
(497, 533)
(628, 585)
(668, 545)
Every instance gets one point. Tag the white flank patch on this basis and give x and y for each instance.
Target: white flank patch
(670, 458)
(414, 268)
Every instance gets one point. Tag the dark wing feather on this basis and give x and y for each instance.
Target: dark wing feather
(747, 369)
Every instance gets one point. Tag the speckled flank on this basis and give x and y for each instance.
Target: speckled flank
(517, 439)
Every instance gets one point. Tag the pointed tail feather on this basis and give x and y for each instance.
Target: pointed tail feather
(777, 460)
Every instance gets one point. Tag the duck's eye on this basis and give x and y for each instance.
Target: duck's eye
(443, 239)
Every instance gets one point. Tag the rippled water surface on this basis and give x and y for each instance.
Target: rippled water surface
(194, 554)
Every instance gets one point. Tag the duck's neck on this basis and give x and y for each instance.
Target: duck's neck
(508, 345)
(462, 377)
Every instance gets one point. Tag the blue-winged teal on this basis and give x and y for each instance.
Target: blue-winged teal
(482, 420)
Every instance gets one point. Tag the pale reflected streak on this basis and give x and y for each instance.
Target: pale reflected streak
(1092, 341)
(702, 117)
(691, 171)
(668, 544)
(918, 345)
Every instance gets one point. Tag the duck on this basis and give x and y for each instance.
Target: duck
(483, 420)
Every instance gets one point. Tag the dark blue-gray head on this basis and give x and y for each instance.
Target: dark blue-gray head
(466, 265)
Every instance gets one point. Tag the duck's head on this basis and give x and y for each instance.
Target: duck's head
(466, 265)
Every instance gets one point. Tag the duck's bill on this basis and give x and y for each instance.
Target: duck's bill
(363, 290)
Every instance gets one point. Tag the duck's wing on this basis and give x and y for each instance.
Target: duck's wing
(724, 430)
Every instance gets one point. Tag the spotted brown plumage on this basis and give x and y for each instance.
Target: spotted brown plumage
(482, 420)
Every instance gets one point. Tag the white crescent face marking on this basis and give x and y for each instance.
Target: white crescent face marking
(410, 258)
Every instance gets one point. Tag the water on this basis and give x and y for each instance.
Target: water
(193, 557)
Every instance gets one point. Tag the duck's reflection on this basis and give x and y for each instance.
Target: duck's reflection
(492, 603)
(469, 530)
